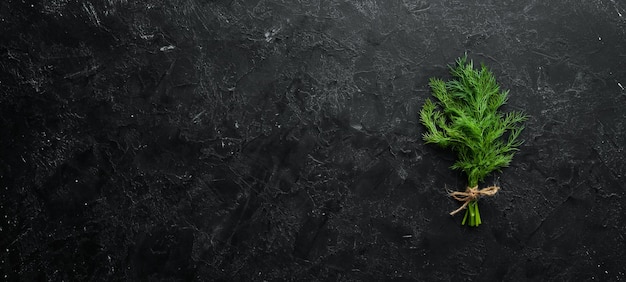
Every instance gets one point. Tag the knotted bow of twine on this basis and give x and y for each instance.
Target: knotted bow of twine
(471, 194)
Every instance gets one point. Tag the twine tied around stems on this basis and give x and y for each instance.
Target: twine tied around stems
(471, 194)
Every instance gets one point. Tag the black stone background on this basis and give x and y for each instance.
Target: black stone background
(268, 140)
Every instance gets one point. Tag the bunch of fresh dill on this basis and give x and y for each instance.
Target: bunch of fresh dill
(465, 118)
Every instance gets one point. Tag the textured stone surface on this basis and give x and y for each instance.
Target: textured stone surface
(262, 140)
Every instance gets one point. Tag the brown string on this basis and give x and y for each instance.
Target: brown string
(471, 194)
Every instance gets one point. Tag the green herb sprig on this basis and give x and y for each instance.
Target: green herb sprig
(465, 118)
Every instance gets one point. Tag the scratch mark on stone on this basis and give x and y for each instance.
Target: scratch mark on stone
(91, 11)
(617, 9)
(544, 55)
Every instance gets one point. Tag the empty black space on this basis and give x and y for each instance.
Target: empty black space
(267, 140)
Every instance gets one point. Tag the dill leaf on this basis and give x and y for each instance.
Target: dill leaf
(464, 117)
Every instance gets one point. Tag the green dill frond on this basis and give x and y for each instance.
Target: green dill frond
(465, 118)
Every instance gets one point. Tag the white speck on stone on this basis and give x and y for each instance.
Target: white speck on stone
(620, 86)
(167, 48)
